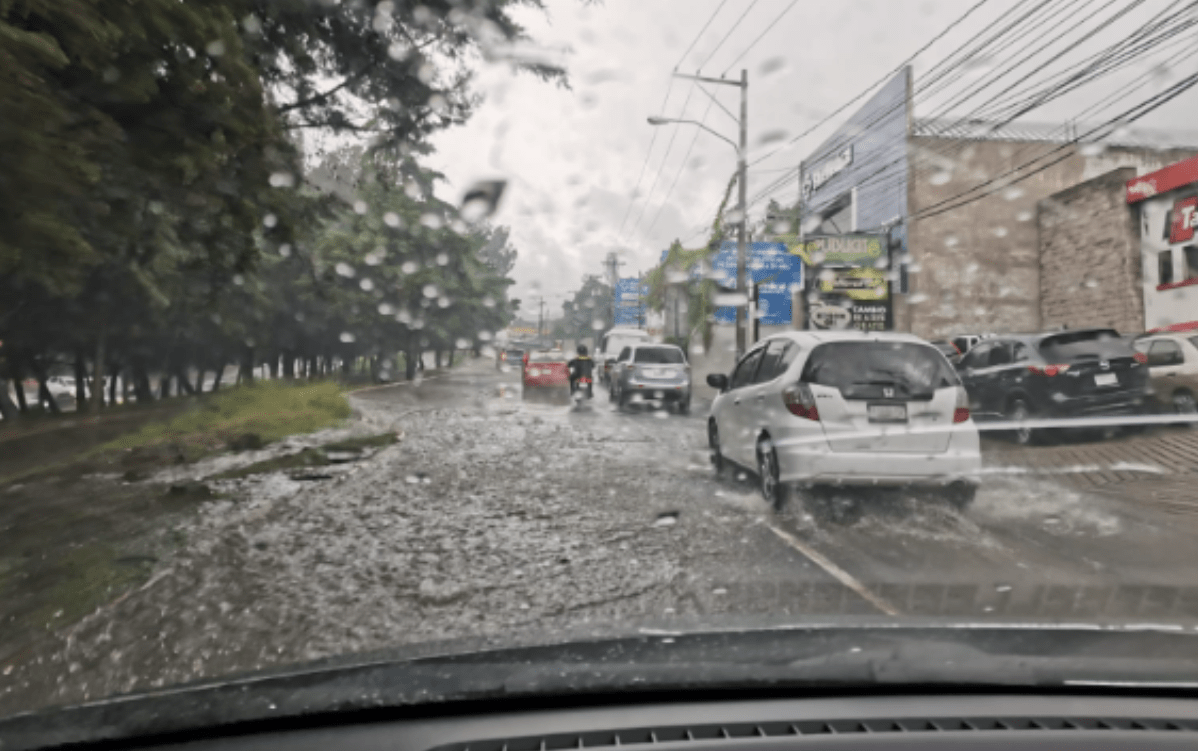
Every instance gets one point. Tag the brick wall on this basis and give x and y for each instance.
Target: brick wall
(1090, 271)
(976, 267)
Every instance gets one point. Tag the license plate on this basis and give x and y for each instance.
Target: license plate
(887, 412)
(1106, 379)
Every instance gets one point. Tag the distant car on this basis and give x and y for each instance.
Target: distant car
(512, 357)
(1079, 373)
(845, 408)
(546, 370)
(1172, 360)
(947, 348)
(612, 344)
(652, 373)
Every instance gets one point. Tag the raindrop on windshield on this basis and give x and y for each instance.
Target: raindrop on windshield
(391, 219)
(771, 136)
(409, 267)
(431, 291)
(731, 299)
(482, 199)
(917, 298)
(488, 302)
(344, 269)
(375, 257)
(438, 104)
(1013, 193)
(215, 48)
(432, 221)
(251, 24)
(385, 309)
(346, 337)
(285, 250)
(484, 336)
(1000, 231)
(360, 207)
(462, 343)
(940, 178)
(951, 241)
(238, 279)
(282, 180)
(1024, 216)
(270, 220)
(772, 66)
(366, 285)
(443, 302)
(442, 259)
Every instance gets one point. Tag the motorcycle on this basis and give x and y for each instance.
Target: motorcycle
(583, 390)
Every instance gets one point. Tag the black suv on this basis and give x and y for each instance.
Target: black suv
(1082, 373)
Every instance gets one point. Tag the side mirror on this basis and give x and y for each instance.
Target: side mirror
(717, 381)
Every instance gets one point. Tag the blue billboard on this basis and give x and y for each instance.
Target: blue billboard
(776, 272)
(630, 302)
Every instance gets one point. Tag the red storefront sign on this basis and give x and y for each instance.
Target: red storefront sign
(1185, 217)
(1155, 183)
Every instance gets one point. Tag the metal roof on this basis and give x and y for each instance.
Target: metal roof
(983, 130)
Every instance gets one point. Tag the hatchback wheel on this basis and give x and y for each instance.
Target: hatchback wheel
(772, 489)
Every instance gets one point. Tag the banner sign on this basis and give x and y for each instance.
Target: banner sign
(776, 273)
(851, 287)
(630, 302)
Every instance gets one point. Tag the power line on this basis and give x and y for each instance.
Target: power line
(657, 176)
(876, 84)
(700, 34)
(678, 174)
(727, 34)
(765, 31)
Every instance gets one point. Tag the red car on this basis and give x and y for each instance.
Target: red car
(546, 370)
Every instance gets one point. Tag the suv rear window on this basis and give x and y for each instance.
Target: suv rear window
(659, 356)
(1075, 343)
(861, 369)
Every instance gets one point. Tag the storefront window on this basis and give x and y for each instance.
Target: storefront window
(1191, 252)
(1164, 267)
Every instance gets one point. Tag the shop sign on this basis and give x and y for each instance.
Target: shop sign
(1185, 218)
(828, 169)
(856, 250)
(849, 290)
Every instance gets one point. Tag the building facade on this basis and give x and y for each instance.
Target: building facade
(959, 203)
(1166, 205)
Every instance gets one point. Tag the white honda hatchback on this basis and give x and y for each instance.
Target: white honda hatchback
(808, 409)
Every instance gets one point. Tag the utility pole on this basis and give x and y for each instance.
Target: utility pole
(742, 149)
(540, 318)
(741, 245)
(612, 264)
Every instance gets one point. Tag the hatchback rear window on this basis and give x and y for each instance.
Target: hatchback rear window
(861, 368)
(659, 356)
(1081, 343)
(553, 356)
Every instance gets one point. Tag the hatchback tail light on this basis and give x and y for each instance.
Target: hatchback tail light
(961, 412)
(800, 401)
(1048, 370)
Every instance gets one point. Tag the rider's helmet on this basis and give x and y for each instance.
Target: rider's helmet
(582, 350)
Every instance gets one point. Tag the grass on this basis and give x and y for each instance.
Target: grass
(269, 410)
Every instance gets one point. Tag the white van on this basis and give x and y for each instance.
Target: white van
(611, 344)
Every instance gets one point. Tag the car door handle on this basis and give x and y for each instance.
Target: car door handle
(761, 397)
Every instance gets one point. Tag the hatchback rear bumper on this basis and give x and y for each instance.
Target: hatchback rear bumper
(814, 465)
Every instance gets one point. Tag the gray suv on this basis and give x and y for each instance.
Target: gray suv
(652, 374)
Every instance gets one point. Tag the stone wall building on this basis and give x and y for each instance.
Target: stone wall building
(1090, 270)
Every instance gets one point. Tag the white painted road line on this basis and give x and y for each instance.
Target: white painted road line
(837, 572)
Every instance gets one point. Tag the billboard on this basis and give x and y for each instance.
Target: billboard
(776, 273)
(850, 284)
(630, 302)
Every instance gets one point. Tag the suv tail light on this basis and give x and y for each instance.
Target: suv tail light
(961, 412)
(1141, 358)
(1048, 370)
(800, 401)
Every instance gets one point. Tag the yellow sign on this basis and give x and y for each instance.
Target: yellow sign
(861, 283)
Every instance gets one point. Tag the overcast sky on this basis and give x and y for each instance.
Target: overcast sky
(573, 157)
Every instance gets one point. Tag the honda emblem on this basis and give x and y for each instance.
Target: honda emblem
(888, 393)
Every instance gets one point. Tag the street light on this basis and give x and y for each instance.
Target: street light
(741, 242)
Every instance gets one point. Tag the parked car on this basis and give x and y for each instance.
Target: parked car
(845, 408)
(1080, 373)
(653, 373)
(1172, 360)
(545, 370)
(612, 344)
(951, 351)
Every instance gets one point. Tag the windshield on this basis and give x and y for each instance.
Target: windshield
(659, 356)
(278, 279)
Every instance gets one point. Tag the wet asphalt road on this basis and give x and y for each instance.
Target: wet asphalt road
(502, 518)
(1035, 544)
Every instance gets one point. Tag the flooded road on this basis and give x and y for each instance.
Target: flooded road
(500, 517)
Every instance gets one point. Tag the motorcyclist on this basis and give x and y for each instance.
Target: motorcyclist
(582, 371)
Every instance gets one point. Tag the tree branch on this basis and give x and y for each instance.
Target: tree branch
(326, 94)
